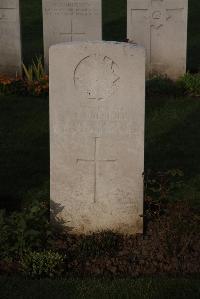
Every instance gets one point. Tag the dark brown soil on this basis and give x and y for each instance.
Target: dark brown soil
(170, 245)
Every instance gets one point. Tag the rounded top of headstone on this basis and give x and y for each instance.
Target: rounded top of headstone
(97, 43)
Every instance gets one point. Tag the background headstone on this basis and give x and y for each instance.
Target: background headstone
(161, 27)
(70, 20)
(97, 93)
(10, 38)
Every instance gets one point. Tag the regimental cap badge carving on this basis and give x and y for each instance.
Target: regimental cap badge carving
(97, 77)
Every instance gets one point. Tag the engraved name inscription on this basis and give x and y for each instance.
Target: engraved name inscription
(8, 14)
(69, 8)
(98, 123)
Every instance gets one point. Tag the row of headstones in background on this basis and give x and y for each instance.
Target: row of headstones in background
(97, 103)
(159, 25)
(10, 38)
(68, 21)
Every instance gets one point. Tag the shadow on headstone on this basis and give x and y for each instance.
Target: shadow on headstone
(57, 221)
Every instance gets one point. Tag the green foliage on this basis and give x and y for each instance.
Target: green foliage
(36, 80)
(42, 264)
(4, 236)
(36, 83)
(163, 183)
(35, 71)
(10, 86)
(18, 87)
(160, 187)
(102, 243)
(28, 71)
(190, 83)
(4, 88)
(22, 231)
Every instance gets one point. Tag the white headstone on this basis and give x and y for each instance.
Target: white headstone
(161, 27)
(70, 20)
(10, 38)
(97, 104)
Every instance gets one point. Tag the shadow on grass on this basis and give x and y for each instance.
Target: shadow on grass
(143, 288)
(174, 141)
(24, 148)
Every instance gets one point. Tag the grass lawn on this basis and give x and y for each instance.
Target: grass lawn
(172, 141)
(24, 150)
(114, 28)
(146, 288)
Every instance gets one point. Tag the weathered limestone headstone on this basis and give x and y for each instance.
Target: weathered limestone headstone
(70, 20)
(97, 92)
(161, 27)
(10, 38)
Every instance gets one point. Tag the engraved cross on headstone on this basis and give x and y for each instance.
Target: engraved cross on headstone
(72, 32)
(158, 15)
(95, 161)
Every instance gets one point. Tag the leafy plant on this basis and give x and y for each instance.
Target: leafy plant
(28, 71)
(162, 184)
(38, 69)
(12, 86)
(22, 231)
(34, 83)
(102, 243)
(4, 84)
(4, 235)
(42, 264)
(159, 188)
(37, 81)
(190, 83)
(35, 71)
